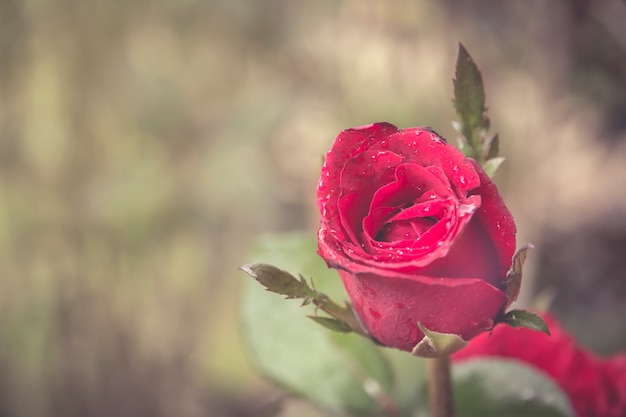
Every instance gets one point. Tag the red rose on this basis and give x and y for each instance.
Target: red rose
(596, 387)
(418, 232)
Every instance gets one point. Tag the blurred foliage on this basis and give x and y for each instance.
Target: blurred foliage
(330, 368)
(144, 143)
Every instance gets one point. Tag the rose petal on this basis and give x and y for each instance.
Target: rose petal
(429, 149)
(348, 144)
(471, 254)
(360, 178)
(496, 219)
(411, 182)
(413, 185)
(391, 308)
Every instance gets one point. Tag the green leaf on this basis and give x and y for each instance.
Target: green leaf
(332, 324)
(523, 318)
(466, 149)
(336, 371)
(279, 281)
(282, 282)
(504, 387)
(514, 275)
(492, 146)
(469, 100)
(457, 126)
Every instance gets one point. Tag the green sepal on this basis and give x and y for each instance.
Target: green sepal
(435, 344)
(514, 275)
(527, 319)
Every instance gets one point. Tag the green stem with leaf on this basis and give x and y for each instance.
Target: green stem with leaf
(473, 125)
(343, 319)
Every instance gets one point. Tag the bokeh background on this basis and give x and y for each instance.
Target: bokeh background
(144, 145)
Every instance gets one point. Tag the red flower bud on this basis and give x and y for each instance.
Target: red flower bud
(418, 232)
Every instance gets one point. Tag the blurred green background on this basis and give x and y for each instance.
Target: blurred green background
(145, 144)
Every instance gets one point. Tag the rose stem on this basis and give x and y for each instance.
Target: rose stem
(440, 387)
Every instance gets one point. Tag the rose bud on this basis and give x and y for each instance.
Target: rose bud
(418, 232)
(595, 386)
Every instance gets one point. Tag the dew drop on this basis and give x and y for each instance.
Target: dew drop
(384, 144)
